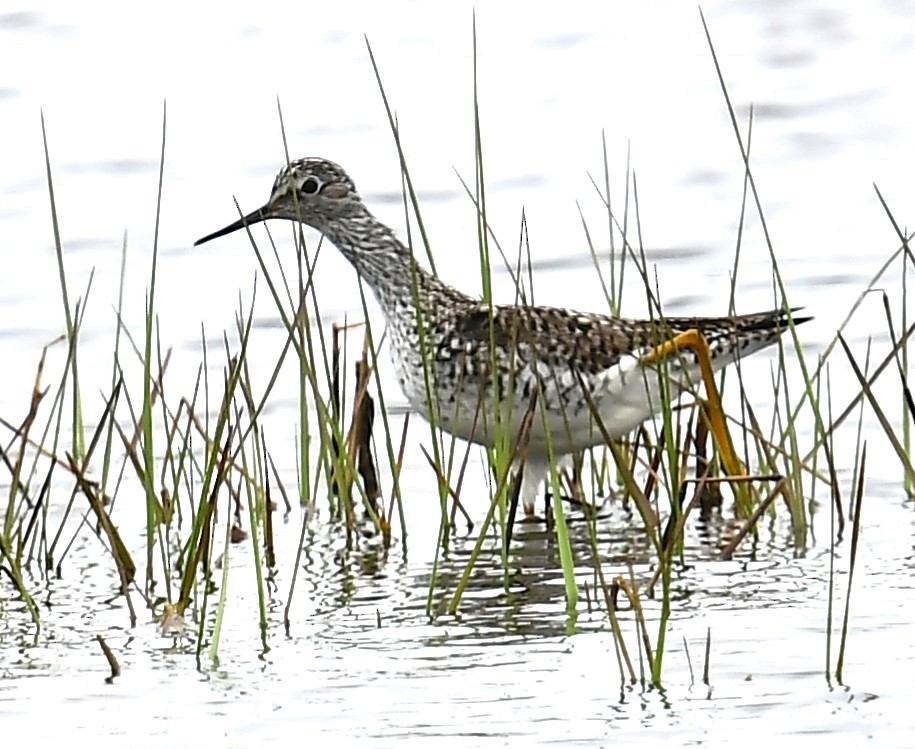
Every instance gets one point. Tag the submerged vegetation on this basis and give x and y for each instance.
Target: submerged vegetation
(205, 467)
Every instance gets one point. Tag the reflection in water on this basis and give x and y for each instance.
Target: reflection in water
(360, 639)
(371, 592)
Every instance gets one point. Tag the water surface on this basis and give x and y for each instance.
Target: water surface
(826, 83)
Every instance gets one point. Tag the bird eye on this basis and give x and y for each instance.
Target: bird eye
(310, 186)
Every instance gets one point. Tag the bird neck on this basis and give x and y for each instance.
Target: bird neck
(387, 265)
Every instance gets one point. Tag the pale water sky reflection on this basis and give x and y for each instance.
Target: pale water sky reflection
(829, 84)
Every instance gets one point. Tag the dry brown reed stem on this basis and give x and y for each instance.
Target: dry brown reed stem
(123, 562)
(110, 657)
(269, 509)
(22, 431)
(386, 518)
(34, 402)
(609, 602)
(359, 436)
(630, 589)
(443, 480)
(778, 490)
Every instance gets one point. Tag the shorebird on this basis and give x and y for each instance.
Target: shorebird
(575, 378)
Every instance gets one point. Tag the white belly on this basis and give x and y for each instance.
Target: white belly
(563, 420)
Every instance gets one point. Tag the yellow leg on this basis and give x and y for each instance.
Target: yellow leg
(694, 340)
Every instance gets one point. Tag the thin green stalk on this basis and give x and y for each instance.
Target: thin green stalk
(855, 534)
(255, 535)
(153, 515)
(109, 436)
(77, 422)
(885, 423)
(223, 588)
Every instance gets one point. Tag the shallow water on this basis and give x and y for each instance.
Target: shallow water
(362, 663)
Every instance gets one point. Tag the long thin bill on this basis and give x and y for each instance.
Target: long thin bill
(252, 218)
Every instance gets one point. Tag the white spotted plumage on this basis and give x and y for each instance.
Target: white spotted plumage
(471, 350)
